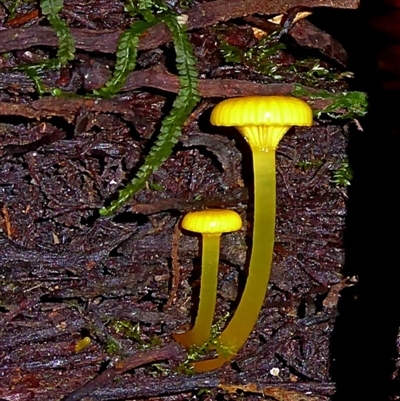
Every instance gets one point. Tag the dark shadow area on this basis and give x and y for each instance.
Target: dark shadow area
(363, 346)
(363, 343)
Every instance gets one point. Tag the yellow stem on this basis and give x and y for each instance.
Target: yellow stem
(242, 323)
(200, 332)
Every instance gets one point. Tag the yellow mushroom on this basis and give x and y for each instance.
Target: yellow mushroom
(82, 344)
(210, 224)
(263, 121)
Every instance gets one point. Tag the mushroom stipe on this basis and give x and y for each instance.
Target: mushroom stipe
(211, 224)
(263, 121)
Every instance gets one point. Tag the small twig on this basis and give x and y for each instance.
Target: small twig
(170, 351)
(284, 390)
(7, 222)
(159, 78)
(23, 19)
(158, 387)
(230, 199)
(176, 267)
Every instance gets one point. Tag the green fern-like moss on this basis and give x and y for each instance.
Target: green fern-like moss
(171, 127)
(66, 42)
(126, 59)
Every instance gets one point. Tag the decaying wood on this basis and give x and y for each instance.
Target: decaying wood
(67, 273)
(155, 77)
(201, 16)
(170, 352)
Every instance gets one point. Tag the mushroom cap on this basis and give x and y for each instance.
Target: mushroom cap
(212, 221)
(262, 110)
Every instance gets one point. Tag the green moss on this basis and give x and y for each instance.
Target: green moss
(132, 331)
(260, 57)
(112, 346)
(344, 105)
(157, 370)
(204, 392)
(12, 7)
(343, 175)
(266, 57)
(309, 164)
(185, 4)
(231, 54)
(33, 74)
(187, 98)
(196, 353)
(127, 329)
(155, 186)
(307, 72)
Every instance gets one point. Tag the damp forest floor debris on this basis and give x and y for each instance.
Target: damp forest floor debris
(88, 303)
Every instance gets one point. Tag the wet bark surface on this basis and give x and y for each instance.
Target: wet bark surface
(129, 282)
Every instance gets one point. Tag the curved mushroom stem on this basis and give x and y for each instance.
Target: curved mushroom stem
(240, 326)
(200, 333)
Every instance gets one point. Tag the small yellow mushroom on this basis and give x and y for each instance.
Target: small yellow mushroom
(210, 224)
(82, 344)
(263, 121)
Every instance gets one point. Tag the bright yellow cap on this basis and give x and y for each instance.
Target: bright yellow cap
(212, 221)
(250, 115)
(262, 110)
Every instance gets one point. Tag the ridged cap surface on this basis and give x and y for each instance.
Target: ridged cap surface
(212, 221)
(262, 110)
